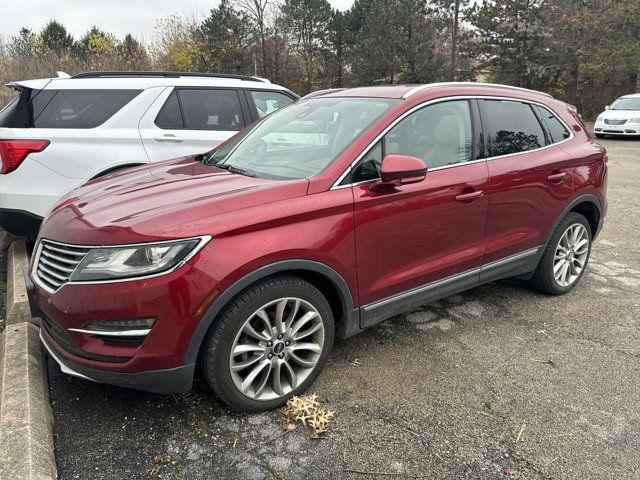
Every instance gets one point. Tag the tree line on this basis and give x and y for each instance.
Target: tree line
(584, 51)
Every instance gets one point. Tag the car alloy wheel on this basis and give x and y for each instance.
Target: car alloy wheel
(571, 255)
(277, 348)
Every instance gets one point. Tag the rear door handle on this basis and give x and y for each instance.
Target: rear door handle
(469, 197)
(557, 177)
(168, 139)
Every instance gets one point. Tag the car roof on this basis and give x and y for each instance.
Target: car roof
(143, 80)
(631, 95)
(405, 91)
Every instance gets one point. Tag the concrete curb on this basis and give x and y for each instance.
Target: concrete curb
(26, 419)
(17, 301)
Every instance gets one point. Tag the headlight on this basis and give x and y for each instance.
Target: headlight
(121, 262)
(634, 120)
(599, 119)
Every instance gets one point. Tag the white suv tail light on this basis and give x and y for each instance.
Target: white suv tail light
(13, 152)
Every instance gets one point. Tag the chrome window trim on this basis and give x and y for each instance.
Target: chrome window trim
(203, 240)
(336, 185)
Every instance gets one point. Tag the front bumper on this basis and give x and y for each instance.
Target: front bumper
(629, 130)
(158, 363)
(172, 380)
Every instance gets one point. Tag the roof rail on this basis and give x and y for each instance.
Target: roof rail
(169, 75)
(419, 88)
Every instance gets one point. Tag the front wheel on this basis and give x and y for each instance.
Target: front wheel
(566, 256)
(269, 344)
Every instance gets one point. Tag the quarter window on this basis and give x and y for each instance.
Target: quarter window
(79, 108)
(510, 127)
(268, 102)
(556, 129)
(211, 109)
(369, 168)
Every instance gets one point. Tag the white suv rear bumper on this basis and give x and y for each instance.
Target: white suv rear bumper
(28, 193)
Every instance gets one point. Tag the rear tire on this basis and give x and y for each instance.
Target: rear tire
(565, 258)
(268, 344)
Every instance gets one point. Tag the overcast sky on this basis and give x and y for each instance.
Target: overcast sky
(120, 17)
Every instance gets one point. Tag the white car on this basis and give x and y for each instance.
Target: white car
(621, 118)
(61, 132)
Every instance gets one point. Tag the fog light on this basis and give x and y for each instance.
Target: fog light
(138, 327)
(111, 325)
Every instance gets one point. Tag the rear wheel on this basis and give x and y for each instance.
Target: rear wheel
(566, 256)
(269, 344)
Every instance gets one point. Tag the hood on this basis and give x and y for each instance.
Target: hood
(619, 114)
(159, 201)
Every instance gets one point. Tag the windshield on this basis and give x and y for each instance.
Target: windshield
(301, 140)
(626, 104)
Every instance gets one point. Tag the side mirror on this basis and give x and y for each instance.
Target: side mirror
(399, 170)
(607, 107)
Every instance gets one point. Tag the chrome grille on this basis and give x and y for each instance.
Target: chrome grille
(55, 263)
(610, 121)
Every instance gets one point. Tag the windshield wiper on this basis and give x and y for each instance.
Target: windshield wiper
(234, 169)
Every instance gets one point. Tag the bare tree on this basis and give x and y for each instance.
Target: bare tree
(257, 11)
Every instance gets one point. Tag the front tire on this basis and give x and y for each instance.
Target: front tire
(268, 344)
(566, 256)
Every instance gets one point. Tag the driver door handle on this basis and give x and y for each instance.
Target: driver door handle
(168, 138)
(469, 197)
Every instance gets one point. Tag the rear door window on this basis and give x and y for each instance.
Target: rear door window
(80, 108)
(510, 127)
(211, 109)
(268, 102)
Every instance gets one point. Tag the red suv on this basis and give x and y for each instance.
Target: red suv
(320, 220)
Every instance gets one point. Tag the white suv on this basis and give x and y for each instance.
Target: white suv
(621, 118)
(60, 132)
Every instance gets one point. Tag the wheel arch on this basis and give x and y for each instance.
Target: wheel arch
(324, 278)
(587, 205)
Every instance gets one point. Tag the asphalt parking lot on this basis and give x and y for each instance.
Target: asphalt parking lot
(498, 382)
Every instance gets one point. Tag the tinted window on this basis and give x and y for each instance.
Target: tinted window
(40, 99)
(510, 127)
(22, 110)
(439, 134)
(82, 108)
(268, 102)
(556, 128)
(209, 109)
(169, 116)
